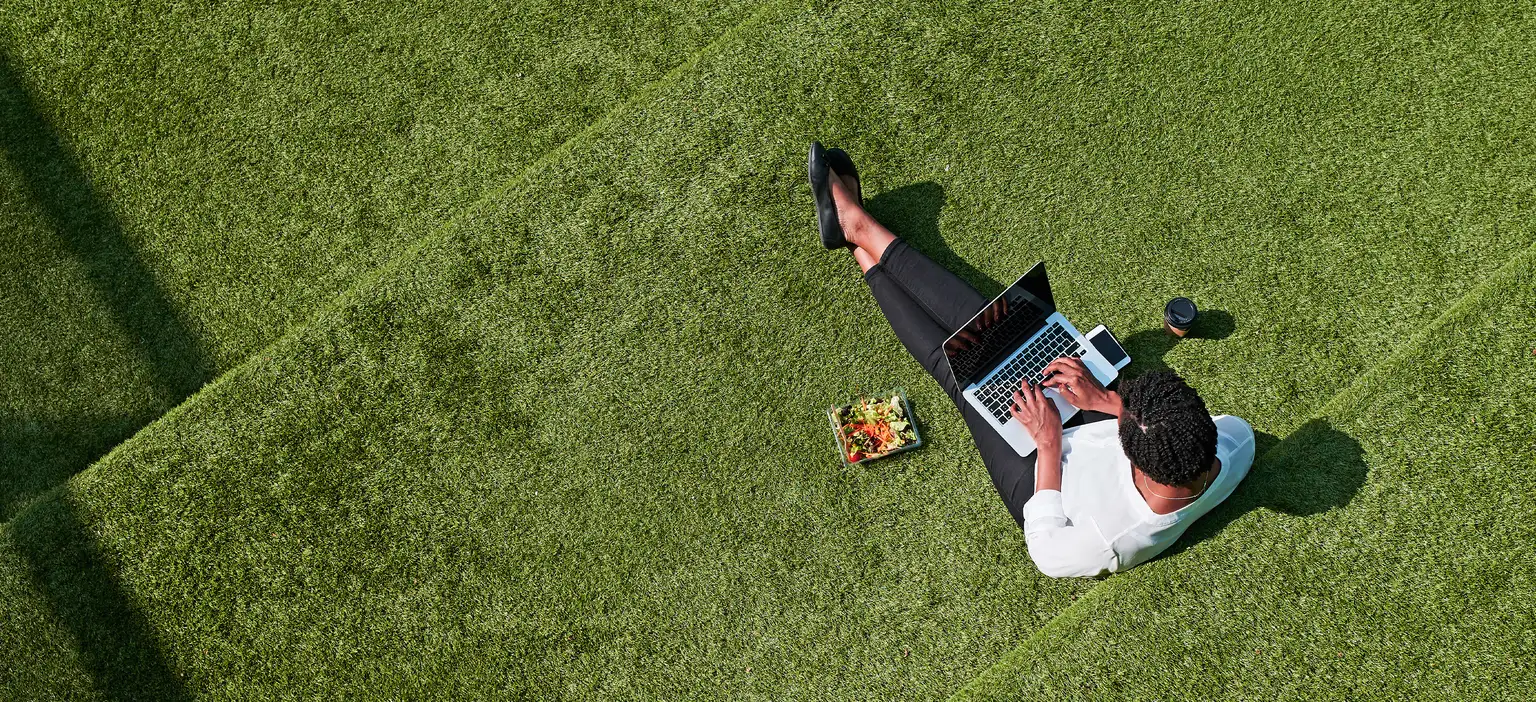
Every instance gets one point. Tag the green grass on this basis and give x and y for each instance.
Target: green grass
(570, 447)
(181, 183)
(1410, 590)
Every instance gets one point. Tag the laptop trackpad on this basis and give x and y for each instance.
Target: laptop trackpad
(1066, 409)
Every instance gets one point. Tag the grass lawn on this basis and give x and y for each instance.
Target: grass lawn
(1410, 590)
(181, 183)
(569, 445)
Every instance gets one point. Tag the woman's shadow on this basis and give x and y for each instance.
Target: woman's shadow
(912, 212)
(1314, 469)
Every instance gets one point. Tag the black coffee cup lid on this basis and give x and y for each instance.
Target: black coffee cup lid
(1180, 312)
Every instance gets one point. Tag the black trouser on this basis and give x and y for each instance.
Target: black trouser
(925, 303)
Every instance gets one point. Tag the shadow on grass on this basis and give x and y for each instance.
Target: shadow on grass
(1315, 469)
(1148, 347)
(912, 213)
(39, 455)
(116, 643)
(85, 224)
(42, 452)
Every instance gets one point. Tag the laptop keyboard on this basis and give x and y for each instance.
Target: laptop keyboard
(1021, 315)
(1052, 344)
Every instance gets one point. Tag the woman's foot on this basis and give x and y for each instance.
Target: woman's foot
(824, 183)
(860, 230)
(840, 213)
(843, 166)
(844, 171)
(850, 209)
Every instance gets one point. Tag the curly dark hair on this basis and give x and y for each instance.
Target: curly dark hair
(1165, 429)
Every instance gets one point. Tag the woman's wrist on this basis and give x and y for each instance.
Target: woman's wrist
(1113, 405)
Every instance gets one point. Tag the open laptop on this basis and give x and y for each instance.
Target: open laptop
(1013, 339)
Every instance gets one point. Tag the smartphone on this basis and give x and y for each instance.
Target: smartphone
(1109, 347)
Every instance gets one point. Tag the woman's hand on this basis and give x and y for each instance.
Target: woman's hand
(1039, 416)
(1077, 385)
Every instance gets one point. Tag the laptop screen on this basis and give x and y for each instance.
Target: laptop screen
(1000, 327)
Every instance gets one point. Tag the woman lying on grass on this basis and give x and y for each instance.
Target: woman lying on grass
(1097, 496)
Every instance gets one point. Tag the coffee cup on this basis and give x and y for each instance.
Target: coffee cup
(1179, 316)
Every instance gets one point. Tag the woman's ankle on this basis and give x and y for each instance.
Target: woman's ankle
(850, 215)
(853, 232)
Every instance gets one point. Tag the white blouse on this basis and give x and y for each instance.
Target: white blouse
(1098, 522)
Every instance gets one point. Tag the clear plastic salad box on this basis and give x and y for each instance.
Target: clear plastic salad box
(906, 409)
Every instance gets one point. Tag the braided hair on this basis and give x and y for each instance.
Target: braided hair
(1165, 429)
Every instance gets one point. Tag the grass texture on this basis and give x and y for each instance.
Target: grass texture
(180, 183)
(572, 446)
(1412, 590)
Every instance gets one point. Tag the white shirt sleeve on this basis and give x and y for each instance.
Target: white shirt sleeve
(1059, 550)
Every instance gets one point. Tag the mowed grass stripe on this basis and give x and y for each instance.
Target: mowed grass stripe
(576, 445)
(179, 184)
(393, 265)
(1416, 587)
(1497, 282)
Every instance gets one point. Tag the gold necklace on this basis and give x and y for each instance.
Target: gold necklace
(1206, 484)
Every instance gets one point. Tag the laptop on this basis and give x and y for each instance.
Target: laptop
(1012, 340)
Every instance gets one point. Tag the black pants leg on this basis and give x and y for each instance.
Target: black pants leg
(925, 303)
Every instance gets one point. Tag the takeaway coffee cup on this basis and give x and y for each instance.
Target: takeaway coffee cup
(1179, 315)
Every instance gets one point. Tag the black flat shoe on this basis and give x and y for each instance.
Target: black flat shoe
(826, 210)
(842, 165)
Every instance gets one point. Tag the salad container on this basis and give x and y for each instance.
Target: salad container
(882, 401)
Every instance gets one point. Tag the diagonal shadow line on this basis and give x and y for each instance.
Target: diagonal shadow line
(126, 664)
(116, 643)
(87, 226)
(175, 358)
(440, 232)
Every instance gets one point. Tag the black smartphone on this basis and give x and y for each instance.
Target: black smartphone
(1109, 347)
